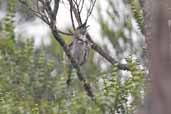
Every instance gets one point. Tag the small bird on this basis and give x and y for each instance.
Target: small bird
(80, 47)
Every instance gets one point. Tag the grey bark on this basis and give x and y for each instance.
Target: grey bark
(157, 30)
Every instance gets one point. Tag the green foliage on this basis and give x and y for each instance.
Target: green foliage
(26, 79)
(107, 28)
(121, 94)
(8, 22)
(117, 27)
(28, 86)
(137, 12)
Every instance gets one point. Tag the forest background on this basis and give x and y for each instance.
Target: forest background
(34, 70)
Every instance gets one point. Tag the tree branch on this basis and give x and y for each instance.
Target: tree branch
(56, 7)
(55, 32)
(76, 13)
(65, 47)
(65, 33)
(90, 10)
(105, 55)
(97, 48)
(72, 20)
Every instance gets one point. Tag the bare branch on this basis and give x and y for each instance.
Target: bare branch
(105, 55)
(81, 5)
(65, 47)
(76, 11)
(48, 15)
(56, 7)
(79, 2)
(90, 10)
(36, 13)
(69, 34)
(94, 45)
(72, 20)
(76, 14)
(48, 9)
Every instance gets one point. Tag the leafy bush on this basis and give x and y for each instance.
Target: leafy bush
(28, 86)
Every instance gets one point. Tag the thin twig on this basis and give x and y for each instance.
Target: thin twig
(90, 10)
(36, 13)
(69, 34)
(72, 20)
(79, 2)
(56, 7)
(77, 16)
(81, 6)
(76, 10)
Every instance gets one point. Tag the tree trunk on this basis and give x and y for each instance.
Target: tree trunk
(157, 29)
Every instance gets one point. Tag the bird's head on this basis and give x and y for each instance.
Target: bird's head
(82, 29)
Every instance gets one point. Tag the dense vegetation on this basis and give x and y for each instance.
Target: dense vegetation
(30, 84)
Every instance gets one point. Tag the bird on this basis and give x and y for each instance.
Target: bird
(80, 46)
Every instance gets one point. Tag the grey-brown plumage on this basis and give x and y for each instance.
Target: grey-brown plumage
(80, 47)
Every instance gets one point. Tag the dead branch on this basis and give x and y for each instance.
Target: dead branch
(71, 14)
(105, 55)
(86, 86)
(48, 14)
(51, 14)
(49, 17)
(94, 45)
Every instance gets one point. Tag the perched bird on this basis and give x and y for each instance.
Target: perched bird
(80, 47)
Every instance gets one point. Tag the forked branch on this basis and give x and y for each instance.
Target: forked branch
(47, 11)
(94, 45)
(50, 14)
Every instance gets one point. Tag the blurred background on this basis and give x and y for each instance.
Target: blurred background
(34, 69)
